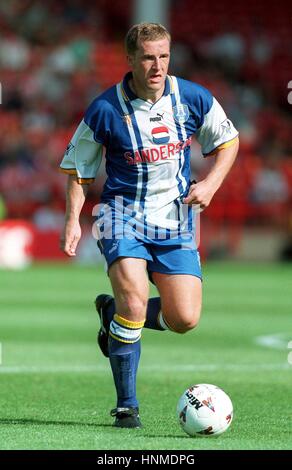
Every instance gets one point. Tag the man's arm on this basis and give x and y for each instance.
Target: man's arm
(75, 197)
(202, 192)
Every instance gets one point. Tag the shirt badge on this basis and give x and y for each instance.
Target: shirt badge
(181, 113)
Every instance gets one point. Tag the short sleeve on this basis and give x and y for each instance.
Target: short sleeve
(83, 155)
(216, 131)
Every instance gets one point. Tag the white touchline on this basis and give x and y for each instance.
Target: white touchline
(275, 341)
(145, 368)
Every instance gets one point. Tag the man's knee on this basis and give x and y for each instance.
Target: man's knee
(186, 322)
(133, 305)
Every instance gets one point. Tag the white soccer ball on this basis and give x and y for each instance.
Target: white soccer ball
(204, 410)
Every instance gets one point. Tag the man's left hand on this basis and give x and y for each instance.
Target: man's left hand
(200, 194)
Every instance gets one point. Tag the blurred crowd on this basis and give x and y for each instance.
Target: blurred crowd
(55, 57)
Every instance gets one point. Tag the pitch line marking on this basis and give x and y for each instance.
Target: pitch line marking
(148, 369)
(276, 341)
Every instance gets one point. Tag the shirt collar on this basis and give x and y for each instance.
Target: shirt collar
(130, 95)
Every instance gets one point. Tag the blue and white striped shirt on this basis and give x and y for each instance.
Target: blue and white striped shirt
(147, 146)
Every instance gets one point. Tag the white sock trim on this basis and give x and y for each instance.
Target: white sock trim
(162, 322)
(124, 334)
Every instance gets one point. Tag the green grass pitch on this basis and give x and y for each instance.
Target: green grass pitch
(56, 388)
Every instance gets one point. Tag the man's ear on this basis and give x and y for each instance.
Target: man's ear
(130, 59)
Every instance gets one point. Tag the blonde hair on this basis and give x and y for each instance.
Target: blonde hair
(144, 32)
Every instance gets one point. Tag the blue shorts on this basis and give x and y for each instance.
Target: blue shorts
(161, 258)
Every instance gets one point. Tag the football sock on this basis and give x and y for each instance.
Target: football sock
(124, 355)
(153, 315)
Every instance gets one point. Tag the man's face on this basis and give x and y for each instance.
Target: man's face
(150, 63)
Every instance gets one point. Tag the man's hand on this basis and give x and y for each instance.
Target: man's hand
(70, 237)
(200, 194)
(75, 197)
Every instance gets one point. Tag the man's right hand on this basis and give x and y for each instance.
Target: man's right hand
(70, 237)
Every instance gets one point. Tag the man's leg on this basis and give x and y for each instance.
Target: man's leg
(181, 300)
(129, 281)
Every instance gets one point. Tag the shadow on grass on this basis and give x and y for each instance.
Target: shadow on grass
(40, 422)
(172, 436)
